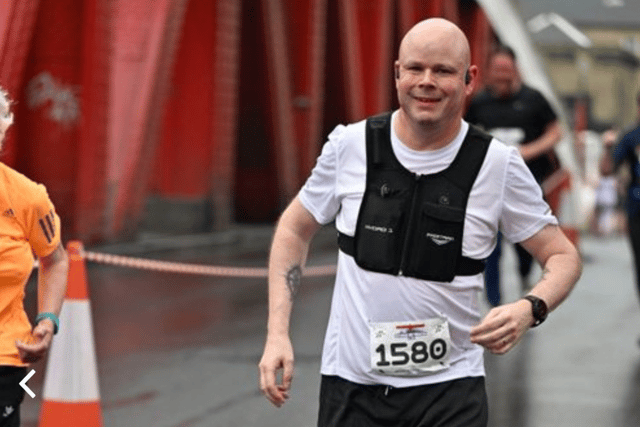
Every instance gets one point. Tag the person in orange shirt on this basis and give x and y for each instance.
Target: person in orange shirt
(29, 226)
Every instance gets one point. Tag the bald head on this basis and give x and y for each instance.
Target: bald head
(437, 32)
(433, 79)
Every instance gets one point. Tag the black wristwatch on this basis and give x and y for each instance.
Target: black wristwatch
(538, 309)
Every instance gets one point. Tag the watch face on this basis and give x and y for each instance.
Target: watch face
(540, 309)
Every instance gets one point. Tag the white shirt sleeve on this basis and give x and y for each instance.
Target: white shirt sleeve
(318, 195)
(524, 211)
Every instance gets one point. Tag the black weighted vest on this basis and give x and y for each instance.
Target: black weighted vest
(410, 224)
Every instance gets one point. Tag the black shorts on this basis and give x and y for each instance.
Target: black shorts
(11, 395)
(457, 403)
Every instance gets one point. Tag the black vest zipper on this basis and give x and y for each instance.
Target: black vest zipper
(407, 232)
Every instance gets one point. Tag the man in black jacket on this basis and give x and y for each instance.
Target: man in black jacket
(517, 115)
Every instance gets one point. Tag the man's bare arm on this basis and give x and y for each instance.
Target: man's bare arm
(289, 249)
(546, 141)
(560, 261)
(52, 287)
(505, 325)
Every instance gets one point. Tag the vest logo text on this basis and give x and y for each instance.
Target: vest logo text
(439, 239)
(378, 229)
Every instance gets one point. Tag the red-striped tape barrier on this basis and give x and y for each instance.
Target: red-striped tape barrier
(201, 269)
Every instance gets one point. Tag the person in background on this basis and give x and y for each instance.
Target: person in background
(605, 216)
(28, 225)
(417, 195)
(627, 152)
(519, 116)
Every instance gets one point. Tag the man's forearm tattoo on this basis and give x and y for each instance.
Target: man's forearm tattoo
(293, 280)
(545, 273)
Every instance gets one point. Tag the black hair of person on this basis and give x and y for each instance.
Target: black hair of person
(503, 49)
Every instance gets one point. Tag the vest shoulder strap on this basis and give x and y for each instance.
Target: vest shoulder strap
(378, 137)
(467, 163)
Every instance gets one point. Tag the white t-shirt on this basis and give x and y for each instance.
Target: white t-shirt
(504, 195)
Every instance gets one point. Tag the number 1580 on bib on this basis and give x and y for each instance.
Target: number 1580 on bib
(410, 348)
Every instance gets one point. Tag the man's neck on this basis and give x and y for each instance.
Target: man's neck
(422, 137)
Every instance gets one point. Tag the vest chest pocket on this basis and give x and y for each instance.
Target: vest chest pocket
(437, 242)
(380, 231)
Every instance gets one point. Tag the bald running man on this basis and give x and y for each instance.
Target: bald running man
(417, 195)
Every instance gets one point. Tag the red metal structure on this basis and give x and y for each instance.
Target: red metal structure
(190, 115)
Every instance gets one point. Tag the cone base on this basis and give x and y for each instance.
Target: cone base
(67, 414)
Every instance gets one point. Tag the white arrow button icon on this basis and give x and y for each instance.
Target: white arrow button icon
(24, 385)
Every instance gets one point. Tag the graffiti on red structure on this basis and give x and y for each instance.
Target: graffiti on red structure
(64, 109)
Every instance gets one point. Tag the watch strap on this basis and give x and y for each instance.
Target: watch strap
(50, 316)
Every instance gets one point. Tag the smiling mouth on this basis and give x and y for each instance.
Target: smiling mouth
(426, 100)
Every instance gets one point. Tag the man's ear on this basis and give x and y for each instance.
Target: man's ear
(471, 79)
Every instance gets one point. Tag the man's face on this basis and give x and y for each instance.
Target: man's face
(503, 75)
(431, 82)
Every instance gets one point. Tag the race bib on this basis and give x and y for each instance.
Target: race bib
(410, 348)
(510, 136)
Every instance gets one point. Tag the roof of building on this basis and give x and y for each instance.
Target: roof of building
(586, 13)
(561, 22)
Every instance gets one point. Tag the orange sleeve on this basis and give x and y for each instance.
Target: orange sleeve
(44, 224)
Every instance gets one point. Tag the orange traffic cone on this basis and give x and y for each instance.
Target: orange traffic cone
(71, 396)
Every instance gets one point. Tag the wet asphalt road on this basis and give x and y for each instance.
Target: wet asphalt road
(176, 350)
